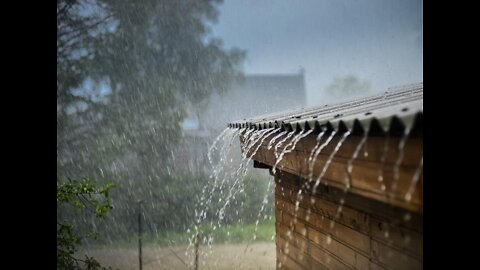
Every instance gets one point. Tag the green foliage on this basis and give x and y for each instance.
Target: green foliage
(80, 194)
(348, 86)
(157, 58)
(233, 233)
(241, 232)
(169, 206)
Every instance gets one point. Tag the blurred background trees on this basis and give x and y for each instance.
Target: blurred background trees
(126, 73)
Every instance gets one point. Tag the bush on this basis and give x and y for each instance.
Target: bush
(82, 194)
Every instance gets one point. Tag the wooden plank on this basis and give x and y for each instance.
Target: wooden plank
(374, 146)
(393, 258)
(348, 255)
(402, 249)
(299, 257)
(326, 259)
(363, 182)
(286, 262)
(385, 212)
(345, 253)
(409, 241)
(278, 213)
(364, 176)
(339, 232)
(295, 254)
(374, 266)
(320, 257)
(348, 216)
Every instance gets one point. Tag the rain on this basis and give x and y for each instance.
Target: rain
(152, 175)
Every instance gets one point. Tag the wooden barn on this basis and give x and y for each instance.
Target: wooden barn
(349, 181)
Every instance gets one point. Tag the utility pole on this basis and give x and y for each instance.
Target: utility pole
(140, 233)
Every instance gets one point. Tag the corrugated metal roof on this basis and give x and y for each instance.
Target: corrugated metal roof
(391, 111)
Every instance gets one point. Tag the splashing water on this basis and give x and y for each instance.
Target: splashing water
(398, 162)
(240, 174)
(413, 183)
(382, 163)
(242, 170)
(264, 203)
(311, 161)
(310, 158)
(317, 152)
(272, 141)
(311, 164)
(281, 142)
(293, 142)
(217, 170)
(297, 138)
(221, 147)
(213, 147)
(348, 180)
(329, 160)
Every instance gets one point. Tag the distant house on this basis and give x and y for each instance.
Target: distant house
(254, 94)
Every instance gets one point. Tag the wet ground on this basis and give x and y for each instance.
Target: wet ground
(225, 256)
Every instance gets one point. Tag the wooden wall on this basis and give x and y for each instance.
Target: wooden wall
(366, 168)
(371, 225)
(365, 234)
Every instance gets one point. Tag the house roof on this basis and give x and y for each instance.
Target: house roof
(389, 112)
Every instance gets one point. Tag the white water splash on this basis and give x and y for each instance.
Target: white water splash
(382, 163)
(272, 141)
(348, 180)
(398, 162)
(281, 142)
(293, 144)
(329, 160)
(310, 158)
(413, 183)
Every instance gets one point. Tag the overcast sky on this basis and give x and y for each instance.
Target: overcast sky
(376, 40)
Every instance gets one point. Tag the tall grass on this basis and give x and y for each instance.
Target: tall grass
(227, 234)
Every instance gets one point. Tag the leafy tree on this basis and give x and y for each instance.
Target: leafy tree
(348, 86)
(155, 57)
(126, 71)
(81, 194)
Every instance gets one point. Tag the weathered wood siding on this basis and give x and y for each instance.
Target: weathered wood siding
(364, 235)
(366, 168)
(369, 226)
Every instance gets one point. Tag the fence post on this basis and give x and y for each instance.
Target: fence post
(197, 243)
(140, 234)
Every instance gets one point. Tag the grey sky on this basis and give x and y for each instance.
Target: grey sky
(376, 40)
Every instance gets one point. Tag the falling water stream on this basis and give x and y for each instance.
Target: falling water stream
(329, 160)
(272, 141)
(310, 160)
(230, 182)
(293, 144)
(299, 196)
(383, 159)
(290, 134)
(316, 151)
(242, 170)
(398, 162)
(413, 183)
(227, 182)
(348, 179)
